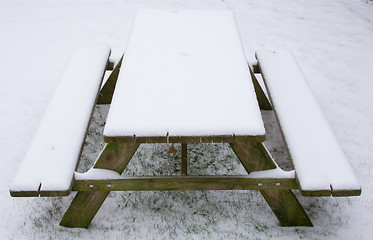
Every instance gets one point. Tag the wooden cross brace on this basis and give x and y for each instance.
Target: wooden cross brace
(253, 155)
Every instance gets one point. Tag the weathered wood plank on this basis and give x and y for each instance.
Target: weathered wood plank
(346, 193)
(196, 85)
(321, 166)
(284, 204)
(185, 139)
(85, 205)
(50, 162)
(184, 183)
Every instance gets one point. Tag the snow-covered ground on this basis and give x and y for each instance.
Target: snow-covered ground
(332, 41)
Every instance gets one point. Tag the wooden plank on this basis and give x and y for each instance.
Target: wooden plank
(106, 93)
(151, 183)
(321, 166)
(173, 83)
(245, 139)
(185, 139)
(171, 139)
(346, 193)
(50, 162)
(85, 205)
(284, 204)
(201, 139)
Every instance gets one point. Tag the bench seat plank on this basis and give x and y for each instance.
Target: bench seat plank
(319, 162)
(185, 74)
(49, 164)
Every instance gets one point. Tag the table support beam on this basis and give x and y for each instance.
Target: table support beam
(284, 204)
(85, 205)
(161, 183)
(184, 159)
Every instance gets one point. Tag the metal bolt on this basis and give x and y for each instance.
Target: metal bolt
(260, 184)
(91, 186)
(278, 184)
(109, 185)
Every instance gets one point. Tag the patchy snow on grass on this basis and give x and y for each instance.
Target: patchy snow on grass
(332, 42)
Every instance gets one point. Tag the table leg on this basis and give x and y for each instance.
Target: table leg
(284, 204)
(184, 159)
(85, 205)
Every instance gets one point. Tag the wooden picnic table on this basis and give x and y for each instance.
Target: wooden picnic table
(184, 79)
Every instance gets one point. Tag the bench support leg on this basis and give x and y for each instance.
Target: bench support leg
(263, 101)
(284, 204)
(184, 159)
(85, 205)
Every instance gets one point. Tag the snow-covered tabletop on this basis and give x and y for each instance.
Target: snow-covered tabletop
(184, 74)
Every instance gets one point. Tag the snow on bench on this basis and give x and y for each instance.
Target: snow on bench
(50, 162)
(320, 165)
(185, 75)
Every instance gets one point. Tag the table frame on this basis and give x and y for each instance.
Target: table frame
(249, 150)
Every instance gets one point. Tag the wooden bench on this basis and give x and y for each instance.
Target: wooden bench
(320, 165)
(50, 162)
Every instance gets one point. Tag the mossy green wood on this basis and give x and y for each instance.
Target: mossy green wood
(85, 205)
(185, 139)
(284, 204)
(151, 183)
(106, 93)
(184, 159)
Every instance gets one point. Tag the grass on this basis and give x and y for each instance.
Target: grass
(179, 214)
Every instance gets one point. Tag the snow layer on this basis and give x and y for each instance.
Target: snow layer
(53, 154)
(184, 74)
(331, 40)
(319, 161)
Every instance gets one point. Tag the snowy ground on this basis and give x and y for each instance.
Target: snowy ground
(332, 41)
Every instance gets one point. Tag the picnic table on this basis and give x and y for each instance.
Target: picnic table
(185, 79)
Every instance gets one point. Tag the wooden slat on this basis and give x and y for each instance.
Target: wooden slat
(151, 183)
(185, 139)
(322, 168)
(49, 164)
(174, 83)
